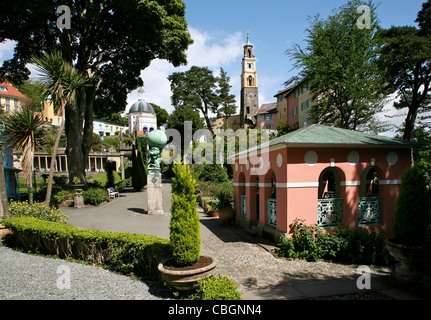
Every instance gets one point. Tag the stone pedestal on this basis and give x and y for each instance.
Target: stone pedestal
(154, 192)
(79, 200)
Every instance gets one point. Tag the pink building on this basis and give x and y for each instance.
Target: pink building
(266, 116)
(323, 175)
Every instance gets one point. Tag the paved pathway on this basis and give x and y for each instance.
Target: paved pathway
(258, 274)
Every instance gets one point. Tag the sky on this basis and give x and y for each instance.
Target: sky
(218, 28)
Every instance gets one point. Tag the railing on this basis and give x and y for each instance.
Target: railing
(370, 211)
(329, 213)
(272, 212)
(243, 206)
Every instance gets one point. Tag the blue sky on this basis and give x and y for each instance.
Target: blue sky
(218, 28)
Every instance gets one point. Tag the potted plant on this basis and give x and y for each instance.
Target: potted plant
(225, 210)
(186, 266)
(411, 222)
(212, 207)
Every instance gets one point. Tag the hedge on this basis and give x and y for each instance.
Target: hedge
(126, 253)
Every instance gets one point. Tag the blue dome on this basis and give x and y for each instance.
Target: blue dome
(141, 106)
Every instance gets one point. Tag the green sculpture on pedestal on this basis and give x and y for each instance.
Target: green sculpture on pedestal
(157, 139)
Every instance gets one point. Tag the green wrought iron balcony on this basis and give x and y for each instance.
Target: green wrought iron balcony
(370, 211)
(329, 212)
(272, 212)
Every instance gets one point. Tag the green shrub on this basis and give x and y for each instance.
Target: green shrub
(210, 172)
(184, 224)
(95, 196)
(125, 183)
(344, 245)
(36, 210)
(412, 215)
(121, 252)
(213, 288)
(62, 196)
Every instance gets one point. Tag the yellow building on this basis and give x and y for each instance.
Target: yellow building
(48, 113)
(293, 104)
(10, 98)
(224, 123)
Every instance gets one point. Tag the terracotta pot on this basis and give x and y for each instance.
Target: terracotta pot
(185, 280)
(413, 259)
(213, 213)
(226, 214)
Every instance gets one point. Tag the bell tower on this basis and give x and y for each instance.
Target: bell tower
(249, 89)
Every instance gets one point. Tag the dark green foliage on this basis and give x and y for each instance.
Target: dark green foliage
(412, 215)
(344, 245)
(110, 166)
(184, 225)
(122, 252)
(217, 288)
(210, 172)
(139, 177)
(95, 196)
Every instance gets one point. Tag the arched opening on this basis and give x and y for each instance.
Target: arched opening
(330, 203)
(249, 53)
(271, 200)
(370, 201)
(250, 81)
(243, 198)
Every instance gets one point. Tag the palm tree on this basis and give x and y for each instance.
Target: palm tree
(62, 81)
(23, 130)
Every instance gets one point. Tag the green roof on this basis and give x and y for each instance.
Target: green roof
(321, 135)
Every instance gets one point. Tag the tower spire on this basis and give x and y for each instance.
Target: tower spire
(141, 93)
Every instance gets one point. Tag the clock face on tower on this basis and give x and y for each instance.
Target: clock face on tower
(251, 95)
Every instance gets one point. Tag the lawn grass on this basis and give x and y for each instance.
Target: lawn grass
(101, 178)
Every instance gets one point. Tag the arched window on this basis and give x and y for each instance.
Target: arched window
(330, 203)
(250, 80)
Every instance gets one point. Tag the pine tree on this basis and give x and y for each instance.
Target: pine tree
(184, 225)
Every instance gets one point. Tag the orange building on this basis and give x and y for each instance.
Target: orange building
(326, 176)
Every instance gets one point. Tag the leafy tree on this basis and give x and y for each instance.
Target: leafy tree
(406, 64)
(23, 130)
(195, 88)
(339, 63)
(110, 41)
(162, 115)
(34, 90)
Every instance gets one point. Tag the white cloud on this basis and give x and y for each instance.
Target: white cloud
(6, 50)
(212, 51)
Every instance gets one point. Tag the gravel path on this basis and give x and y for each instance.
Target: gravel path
(29, 277)
(253, 267)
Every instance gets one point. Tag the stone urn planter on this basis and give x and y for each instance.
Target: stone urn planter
(186, 278)
(226, 214)
(413, 259)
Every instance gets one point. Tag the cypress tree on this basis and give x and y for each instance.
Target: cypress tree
(412, 215)
(139, 177)
(184, 226)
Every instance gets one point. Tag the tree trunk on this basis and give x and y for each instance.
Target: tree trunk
(53, 156)
(73, 129)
